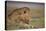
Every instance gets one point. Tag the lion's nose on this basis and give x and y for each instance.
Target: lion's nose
(24, 20)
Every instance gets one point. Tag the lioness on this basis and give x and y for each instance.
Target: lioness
(19, 15)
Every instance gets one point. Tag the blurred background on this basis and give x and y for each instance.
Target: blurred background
(37, 12)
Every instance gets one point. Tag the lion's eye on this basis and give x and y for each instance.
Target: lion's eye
(24, 12)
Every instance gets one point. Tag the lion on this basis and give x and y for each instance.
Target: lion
(19, 15)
